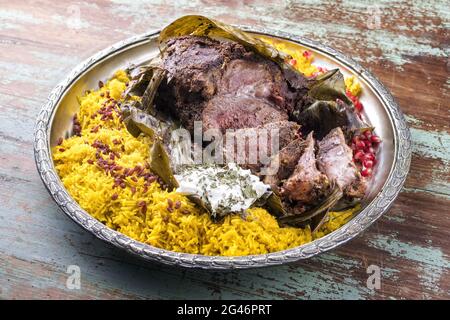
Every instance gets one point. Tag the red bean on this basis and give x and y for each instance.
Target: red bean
(142, 203)
(114, 196)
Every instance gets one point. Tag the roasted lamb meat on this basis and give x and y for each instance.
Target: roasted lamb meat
(306, 184)
(206, 76)
(335, 160)
(239, 112)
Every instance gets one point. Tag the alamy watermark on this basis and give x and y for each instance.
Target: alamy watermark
(73, 281)
(374, 279)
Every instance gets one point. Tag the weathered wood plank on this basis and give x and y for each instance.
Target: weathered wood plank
(404, 43)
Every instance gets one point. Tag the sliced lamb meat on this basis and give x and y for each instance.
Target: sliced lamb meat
(260, 78)
(195, 63)
(259, 137)
(194, 68)
(238, 112)
(200, 68)
(335, 160)
(283, 164)
(306, 184)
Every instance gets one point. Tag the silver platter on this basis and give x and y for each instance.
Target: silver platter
(55, 120)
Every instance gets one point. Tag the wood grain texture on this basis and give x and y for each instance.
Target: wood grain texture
(404, 43)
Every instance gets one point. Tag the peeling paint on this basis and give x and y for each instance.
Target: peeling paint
(9, 19)
(432, 144)
(433, 262)
(413, 121)
(426, 255)
(430, 277)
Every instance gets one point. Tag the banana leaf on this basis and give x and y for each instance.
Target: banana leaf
(306, 217)
(275, 206)
(151, 90)
(331, 108)
(160, 164)
(329, 86)
(138, 121)
(323, 116)
(203, 26)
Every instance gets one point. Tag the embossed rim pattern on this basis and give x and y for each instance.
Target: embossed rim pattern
(364, 219)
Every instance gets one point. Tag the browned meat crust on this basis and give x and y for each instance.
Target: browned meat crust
(335, 160)
(306, 184)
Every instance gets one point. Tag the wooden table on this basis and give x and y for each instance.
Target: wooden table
(404, 43)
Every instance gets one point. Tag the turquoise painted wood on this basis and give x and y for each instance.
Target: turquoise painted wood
(404, 43)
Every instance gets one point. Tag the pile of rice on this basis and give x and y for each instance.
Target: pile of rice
(138, 207)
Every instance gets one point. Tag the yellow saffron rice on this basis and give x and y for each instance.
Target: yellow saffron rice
(144, 211)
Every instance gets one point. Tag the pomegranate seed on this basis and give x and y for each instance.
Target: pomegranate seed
(114, 196)
(359, 155)
(368, 164)
(170, 203)
(358, 106)
(366, 172)
(370, 150)
(292, 62)
(360, 145)
(307, 54)
(368, 143)
(368, 156)
(177, 204)
(368, 134)
(375, 139)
